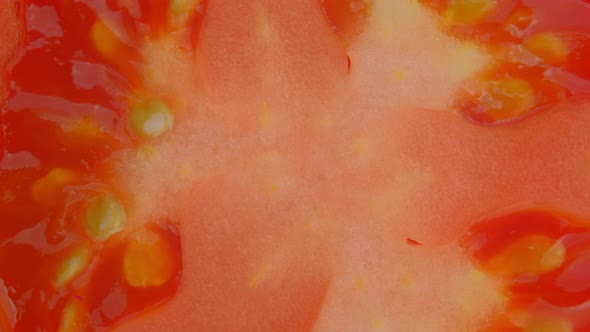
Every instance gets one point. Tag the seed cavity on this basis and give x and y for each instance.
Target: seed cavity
(151, 118)
(105, 216)
(72, 266)
(148, 260)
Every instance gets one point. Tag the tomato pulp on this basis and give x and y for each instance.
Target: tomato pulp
(313, 165)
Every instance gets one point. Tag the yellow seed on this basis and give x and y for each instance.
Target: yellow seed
(104, 216)
(48, 190)
(72, 266)
(71, 317)
(151, 119)
(468, 12)
(148, 261)
(548, 47)
(507, 98)
(532, 254)
(105, 41)
(554, 257)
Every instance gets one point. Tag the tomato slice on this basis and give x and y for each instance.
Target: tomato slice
(311, 165)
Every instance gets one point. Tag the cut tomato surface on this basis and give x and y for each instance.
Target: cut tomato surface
(314, 165)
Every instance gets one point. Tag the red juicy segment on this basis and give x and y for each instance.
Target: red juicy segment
(64, 113)
(542, 260)
(528, 52)
(109, 297)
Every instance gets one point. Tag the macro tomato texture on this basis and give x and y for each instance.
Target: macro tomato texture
(311, 165)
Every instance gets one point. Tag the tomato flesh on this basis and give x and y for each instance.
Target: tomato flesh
(293, 176)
